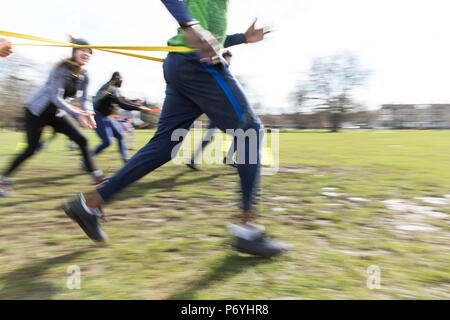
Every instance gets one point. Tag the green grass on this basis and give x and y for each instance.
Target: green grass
(168, 237)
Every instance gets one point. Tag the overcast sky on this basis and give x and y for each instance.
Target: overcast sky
(403, 42)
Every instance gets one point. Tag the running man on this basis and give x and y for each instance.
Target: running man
(104, 104)
(47, 107)
(197, 82)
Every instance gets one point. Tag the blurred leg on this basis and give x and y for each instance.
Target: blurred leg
(118, 134)
(67, 126)
(206, 140)
(33, 126)
(103, 131)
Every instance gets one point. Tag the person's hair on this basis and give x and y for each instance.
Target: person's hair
(79, 41)
(115, 75)
(72, 65)
(227, 53)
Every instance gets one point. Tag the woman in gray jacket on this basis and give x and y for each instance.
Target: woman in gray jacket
(48, 107)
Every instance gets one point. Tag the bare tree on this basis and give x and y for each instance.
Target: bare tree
(331, 81)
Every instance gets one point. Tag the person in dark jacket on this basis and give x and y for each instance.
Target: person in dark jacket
(47, 106)
(105, 102)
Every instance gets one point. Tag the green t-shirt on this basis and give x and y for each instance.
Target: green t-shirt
(212, 15)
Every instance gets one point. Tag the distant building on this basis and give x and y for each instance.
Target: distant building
(414, 116)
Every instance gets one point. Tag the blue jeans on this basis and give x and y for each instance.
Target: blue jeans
(194, 88)
(107, 129)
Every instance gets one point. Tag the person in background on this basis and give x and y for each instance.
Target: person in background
(105, 102)
(47, 106)
(129, 121)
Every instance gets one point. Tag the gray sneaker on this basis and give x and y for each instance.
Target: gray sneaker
(87, 221)
(260, 246)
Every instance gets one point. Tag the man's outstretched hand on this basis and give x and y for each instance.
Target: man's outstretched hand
(253, 34)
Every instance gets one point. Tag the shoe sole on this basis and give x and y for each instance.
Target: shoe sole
(80, 222)
(253, 253)
(258, 254)
(193, 168)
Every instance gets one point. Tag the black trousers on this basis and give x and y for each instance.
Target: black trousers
(34, 126)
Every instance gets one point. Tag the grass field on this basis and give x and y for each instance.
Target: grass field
(344, 201)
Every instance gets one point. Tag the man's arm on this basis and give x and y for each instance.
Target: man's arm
(124, 103)
(234, 39)
(178, 10)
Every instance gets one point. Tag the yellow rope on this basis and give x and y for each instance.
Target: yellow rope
(101, 48)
